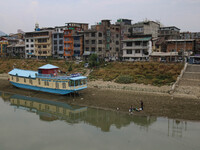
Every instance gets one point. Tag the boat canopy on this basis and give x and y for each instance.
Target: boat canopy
(78, 78)
(48, 66)
(23, 73)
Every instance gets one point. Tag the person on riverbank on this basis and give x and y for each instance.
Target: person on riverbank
(142, 105)
(131, 109)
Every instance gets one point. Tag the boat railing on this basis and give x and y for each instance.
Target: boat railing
(60, 77)
(50, 76)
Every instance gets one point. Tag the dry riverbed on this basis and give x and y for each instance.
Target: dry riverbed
(107, 95)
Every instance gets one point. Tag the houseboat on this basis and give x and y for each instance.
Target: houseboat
(47, 79)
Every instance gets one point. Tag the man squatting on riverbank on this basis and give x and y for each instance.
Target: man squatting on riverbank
(137, 109)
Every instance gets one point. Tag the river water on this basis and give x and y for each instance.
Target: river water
(36, 124)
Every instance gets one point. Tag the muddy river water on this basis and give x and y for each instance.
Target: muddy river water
(28, 123)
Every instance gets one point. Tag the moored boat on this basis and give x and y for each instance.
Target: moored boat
(46, 79)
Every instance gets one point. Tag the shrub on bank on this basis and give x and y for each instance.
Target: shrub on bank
(124, 79)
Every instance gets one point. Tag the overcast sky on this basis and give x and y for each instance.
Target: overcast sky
(23, 14)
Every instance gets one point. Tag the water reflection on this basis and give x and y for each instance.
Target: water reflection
(55, 110)
(176, 128)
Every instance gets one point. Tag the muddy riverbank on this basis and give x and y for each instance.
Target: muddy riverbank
(155, 104)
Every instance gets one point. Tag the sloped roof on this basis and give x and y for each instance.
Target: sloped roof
(23, 73)
(137, 39)
(48, 66)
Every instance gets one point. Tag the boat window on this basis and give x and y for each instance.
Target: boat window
(30, 81)
(24, 80)
(71, 83)
(17, 79)
(57, 85)
(46, 83)
(39, 81)
(64, 85)
(76, 83)
(12, 77)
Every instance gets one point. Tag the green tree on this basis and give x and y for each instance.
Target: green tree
(70, 68)
(93, 60)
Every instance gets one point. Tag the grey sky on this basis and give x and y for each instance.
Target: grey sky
(23, 14)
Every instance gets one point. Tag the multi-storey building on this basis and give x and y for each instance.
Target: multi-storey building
(38, 44)
(137, 49)
(29, 45)
(145, 28)
(3, 46)
(192, 35)
(104, 40)
(58, 42)
(16, 50)
(73, 40)
(170, 32)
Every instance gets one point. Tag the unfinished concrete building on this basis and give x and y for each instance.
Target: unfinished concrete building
(170, 32)
(145, 28)
(104, 40)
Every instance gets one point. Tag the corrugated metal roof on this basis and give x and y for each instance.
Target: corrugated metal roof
(23, 73)
(48, 66)
(78, 78)
(137, 39)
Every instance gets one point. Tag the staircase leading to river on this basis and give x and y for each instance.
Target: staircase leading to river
(190, 82)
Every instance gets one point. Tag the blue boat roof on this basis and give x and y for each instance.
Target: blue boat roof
(48, 66)
(23, 73)
(78, 78)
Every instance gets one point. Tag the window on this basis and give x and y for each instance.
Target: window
(12, 77)
(137, 43)
(93, 41)
(60, 35)
(24, 80)
(100, 49)
(100, 34)
(55, 36)
(55, 42)
(55, 48)
(87, 42)
(27, 45)
(100, 41)
(64, 85)
(117, 35)
(31, 40)
(27, 40)
(93, 49)
(117, 42)
(137, 51)
(128, 51)
(46, 83)
(117, 49)
(92, 34)
(129, 44)
(44, 52)
(39, 46)
(60, 48)
(87, 34)
(27, 51)
(61, 42)
(87, 48)
(31, 51)
(44, 46)
(145, 44)
(31, 45)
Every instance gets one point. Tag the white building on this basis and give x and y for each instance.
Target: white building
(29, 46)
(137, 49)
